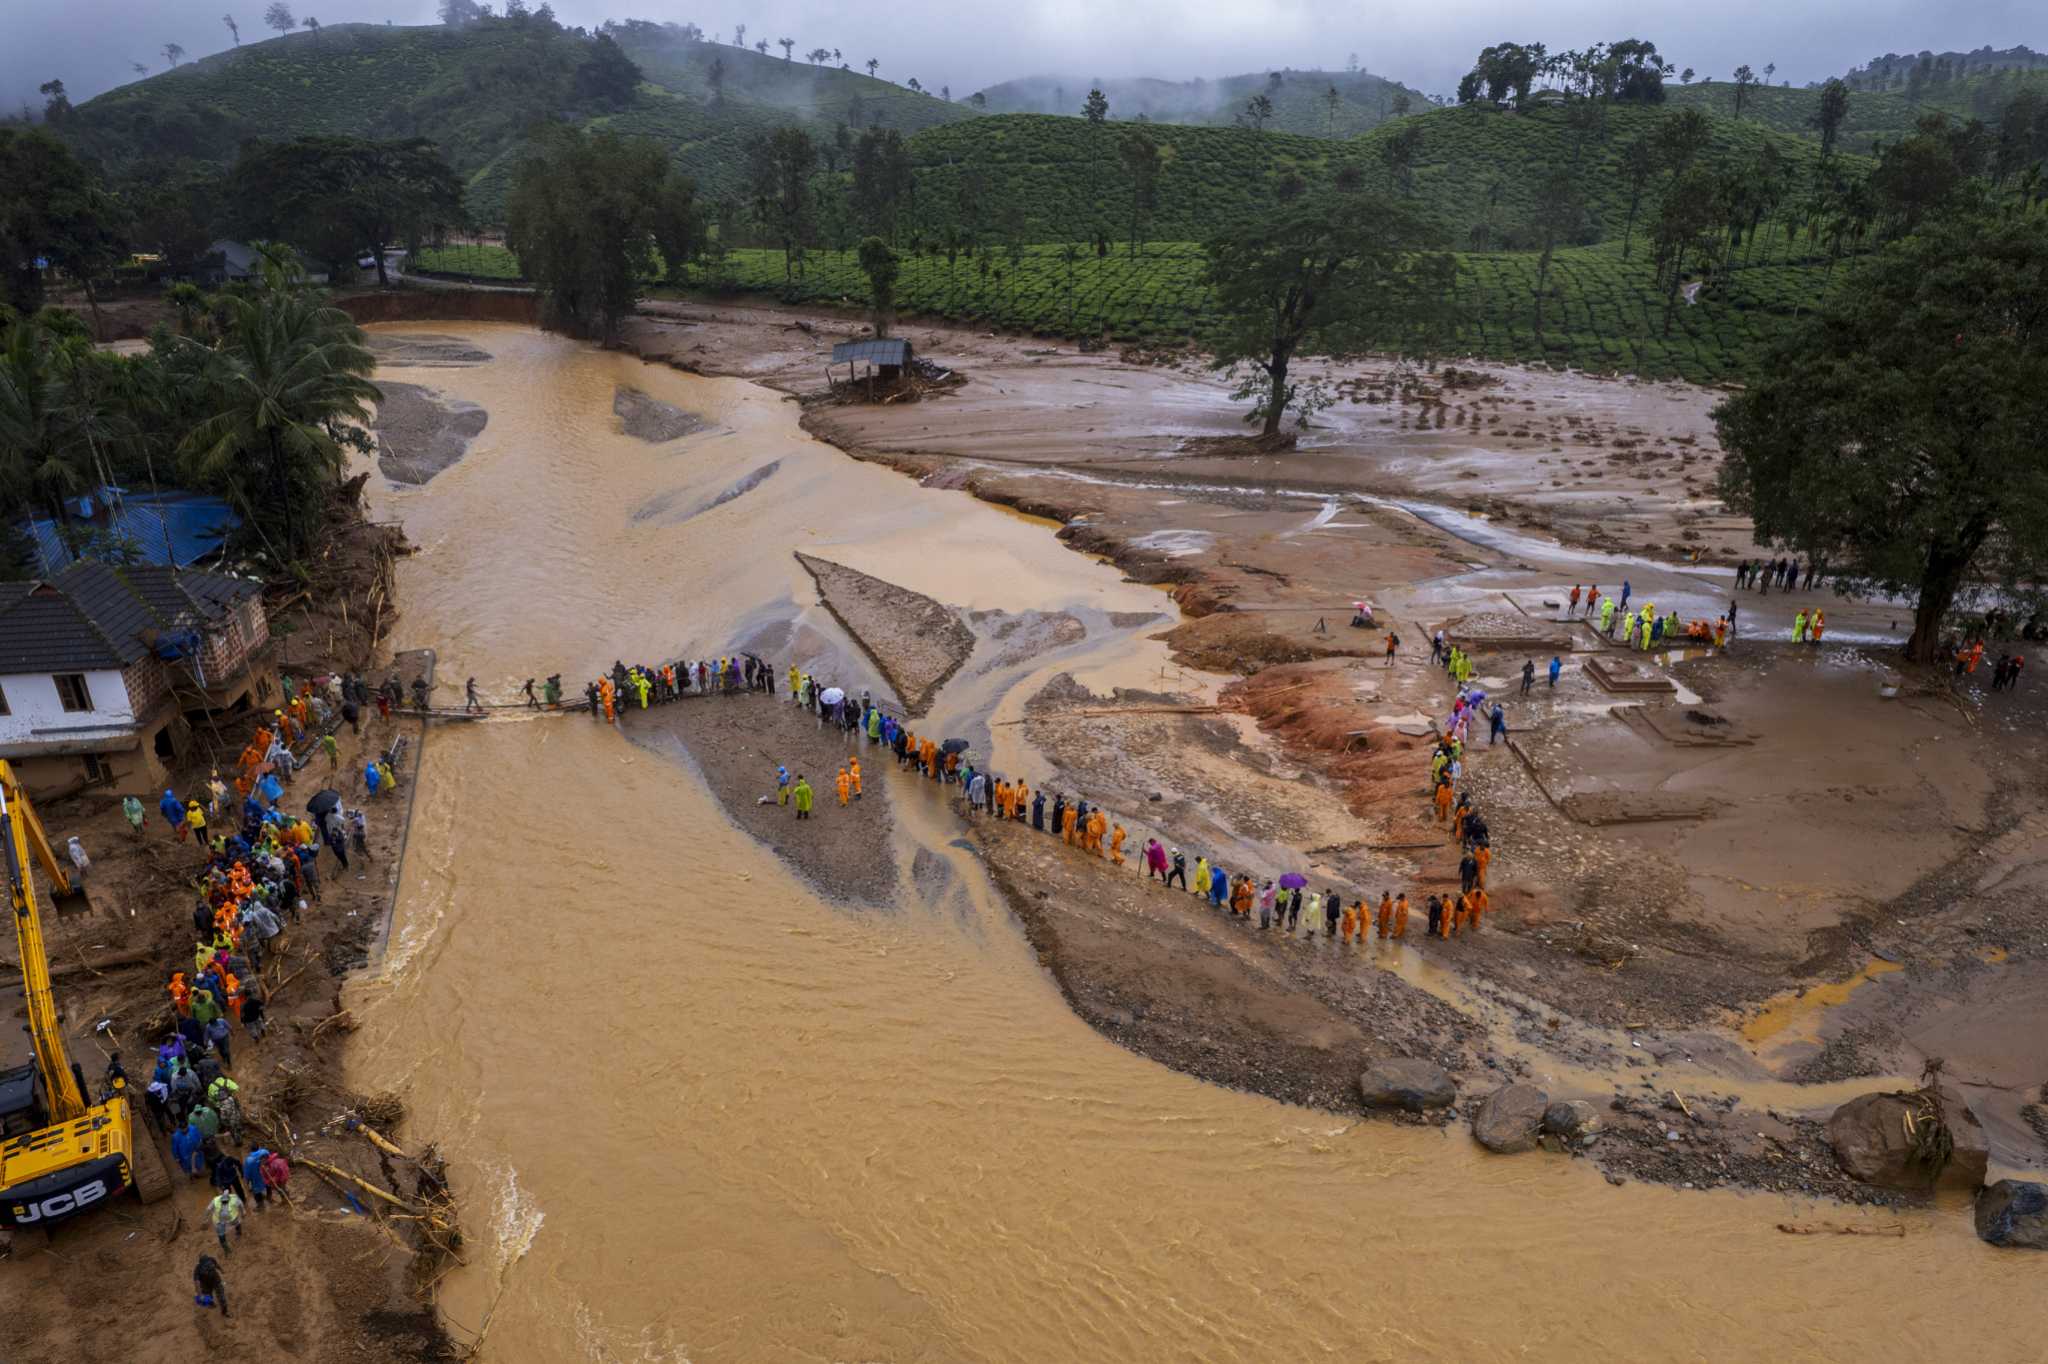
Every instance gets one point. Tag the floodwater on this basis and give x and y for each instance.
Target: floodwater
(695, 1112)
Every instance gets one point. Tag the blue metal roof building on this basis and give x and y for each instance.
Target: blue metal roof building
(169, 529)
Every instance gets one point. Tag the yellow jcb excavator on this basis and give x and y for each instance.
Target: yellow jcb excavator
(60, 1153)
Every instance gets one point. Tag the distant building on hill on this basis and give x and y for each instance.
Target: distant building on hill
(105, 671)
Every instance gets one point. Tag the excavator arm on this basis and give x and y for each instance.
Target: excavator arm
(21, 830)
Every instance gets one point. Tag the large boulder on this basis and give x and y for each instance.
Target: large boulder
(1873, 1136)
(1572, 1120)
(2014, 1213)
(1415, 1086)
(1511, 1118)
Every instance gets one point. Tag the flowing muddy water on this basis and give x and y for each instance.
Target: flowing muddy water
(694, 1111)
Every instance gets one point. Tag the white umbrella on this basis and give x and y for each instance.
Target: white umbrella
(832, 696)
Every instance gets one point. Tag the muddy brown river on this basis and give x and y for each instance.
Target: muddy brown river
(696, 1112)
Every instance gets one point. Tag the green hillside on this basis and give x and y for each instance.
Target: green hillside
(1480, 167)
(792, 90)
(1874, 115)
(1301, 102)
(1066, 175)
(473, 90)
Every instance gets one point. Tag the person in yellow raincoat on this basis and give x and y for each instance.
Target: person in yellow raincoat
(1202, 876)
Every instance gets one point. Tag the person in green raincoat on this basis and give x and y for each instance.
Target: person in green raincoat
(800, 795)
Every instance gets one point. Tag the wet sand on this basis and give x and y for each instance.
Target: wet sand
(734, 743)
(421, 432)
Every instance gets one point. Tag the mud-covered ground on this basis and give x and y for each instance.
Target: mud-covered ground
(1715, 890)
(311, 1278)
(735, 742)
(916, 642)
(1295, 1016)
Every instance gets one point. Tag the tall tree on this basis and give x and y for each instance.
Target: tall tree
(583, 217)
(56, 210)
(173, 54)
(234, 29)
(1258, 111)
(279, 17)
(779, 168)
(1143, 161)
(1558, 211)
(1639, 162)
(339, 196)
(788, 46)
(1897, 432)
(1400, 153)
(1828, 116)
(880, 265)
(1096, 107)
(871, 65)
(1687, 230)
(1745, 79)
(1332, 271)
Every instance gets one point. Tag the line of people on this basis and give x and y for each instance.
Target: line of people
(1761, 575)
(646, 684)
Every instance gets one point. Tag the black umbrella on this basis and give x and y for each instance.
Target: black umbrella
(953, 746)
(322, 802)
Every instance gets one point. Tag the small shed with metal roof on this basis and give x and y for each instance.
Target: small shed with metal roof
(888, 355)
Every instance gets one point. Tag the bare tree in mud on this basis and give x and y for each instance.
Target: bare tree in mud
(1897, 432)
(1331, 271)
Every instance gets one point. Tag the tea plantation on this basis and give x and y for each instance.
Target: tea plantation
(1603, 314)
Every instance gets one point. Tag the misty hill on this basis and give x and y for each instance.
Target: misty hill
(1301, 99)
(474, 91)
(793, 89)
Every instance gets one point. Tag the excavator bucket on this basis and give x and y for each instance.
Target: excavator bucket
(70, 903)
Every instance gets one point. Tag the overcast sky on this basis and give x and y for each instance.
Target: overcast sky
(91, 44)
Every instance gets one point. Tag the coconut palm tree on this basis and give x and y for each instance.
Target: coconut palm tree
(290, 377)
(37, 467)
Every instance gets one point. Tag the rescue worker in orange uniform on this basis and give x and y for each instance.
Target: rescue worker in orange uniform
(1444, 796)
(1020, 799)
(1386, 915)
(1098, 829)
(1401, 915)
(1116, 845)
(1067, 822)
(1350, 924)
(843, 784)
(853, 771)
(1483, 854)
(181, 994)
(1478, 903)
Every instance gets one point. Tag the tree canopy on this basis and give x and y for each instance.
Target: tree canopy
(587, 214)
(53, 209)
(337, 196)
(1899, 431)
(1329, 270)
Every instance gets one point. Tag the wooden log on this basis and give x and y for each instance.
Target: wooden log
(393, 1199)
(374, 1137)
